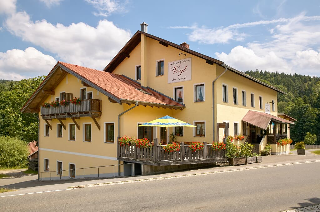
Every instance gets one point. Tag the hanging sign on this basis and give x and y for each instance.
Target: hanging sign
(179, 70)
(267, 108)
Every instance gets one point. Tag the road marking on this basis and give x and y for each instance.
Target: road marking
(225, 170)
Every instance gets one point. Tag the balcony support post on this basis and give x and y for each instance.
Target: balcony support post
(95, 121)
(48, 124)
(76, 123)
(63, 125)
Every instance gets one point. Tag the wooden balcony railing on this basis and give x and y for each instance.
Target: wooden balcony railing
(88, 107)
(156, 155)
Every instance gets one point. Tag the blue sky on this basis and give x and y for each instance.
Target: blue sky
(277, 35)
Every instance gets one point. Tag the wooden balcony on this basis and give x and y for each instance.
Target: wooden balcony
(88, 107)
(157, 156)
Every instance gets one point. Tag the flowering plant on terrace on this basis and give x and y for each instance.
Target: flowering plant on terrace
(76, 101)
(64, 102)
(239, 137)
(125, 141)
(142, 143)
(229, 138)
(218, 146)
(196, 146)
(55, 103)
(174, 147)
(284, 141)
(46, 105)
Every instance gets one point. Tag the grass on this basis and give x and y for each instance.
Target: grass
(317, 152)
(29, 171)
(3, 175)
(2, 190)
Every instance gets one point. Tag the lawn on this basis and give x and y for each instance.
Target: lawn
(3, 175)
(317, 152)
(2, 190)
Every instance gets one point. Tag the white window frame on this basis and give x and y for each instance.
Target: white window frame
(226, 93)
(157, 67)
(273, 106)
(114, 133)
(235, 103)
(75, 132)
(244, 100)
(195, 92)
(58, 161)
(44, 165)
(45, 127)
(74, 170)
(174, 131)
(195, 128)
(174, 93)
(61, 131)
(84, 132)
(260, 102)
(253, 100)
(135, 71)
(237, 128)
(88, 93)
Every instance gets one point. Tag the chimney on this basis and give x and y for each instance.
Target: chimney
(144, 27)
(185, 45)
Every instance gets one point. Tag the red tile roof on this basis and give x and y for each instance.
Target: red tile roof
(262, 120)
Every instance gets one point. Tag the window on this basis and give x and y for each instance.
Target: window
(235, 129)
(145, 132)
(178, 94)
(163, 135)
(235, 96)
(59, 167)
(200, 129)
(57, 99)
(63, 96)
(83, 93)
(72, 132)
(89, 95)
(160, 68)
(46, 165)
(46, 130)
(224, 93)
(138, 72)
(244, 98)
(178, 131)
(87, 132)
(260, 102)
(109, 132)
(69, 96)
(199, 93)
(59, 130)
(72, 170)
(273, 107)
(252, 100)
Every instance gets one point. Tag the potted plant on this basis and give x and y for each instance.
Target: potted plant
(246, 150)
(234, 155)
(258, 158)
(266, 151)
(301, 149)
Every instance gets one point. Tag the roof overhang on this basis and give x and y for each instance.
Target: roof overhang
(262, 120)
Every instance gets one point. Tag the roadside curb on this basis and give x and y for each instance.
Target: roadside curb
(191, 173)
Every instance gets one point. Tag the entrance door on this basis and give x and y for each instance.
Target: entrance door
(145, 132)
(253, 134)
(72, 170)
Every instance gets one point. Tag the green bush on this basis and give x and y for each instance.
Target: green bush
(13, 152)
(310, 139)
(299, 145)
(266, 151)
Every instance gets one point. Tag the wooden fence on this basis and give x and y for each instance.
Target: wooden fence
(308, 146)
(156, 155)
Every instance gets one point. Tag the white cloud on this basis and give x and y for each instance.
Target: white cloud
(292, 49)
(17, 64)
(50, 3)
(7, 6)
(106, 7)
(77, 43)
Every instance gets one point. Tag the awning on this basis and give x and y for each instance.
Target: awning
(262, 120)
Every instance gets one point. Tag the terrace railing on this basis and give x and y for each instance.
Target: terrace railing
(88, 107)
(156, 155)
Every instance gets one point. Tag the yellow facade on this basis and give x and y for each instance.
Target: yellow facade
(146, 54)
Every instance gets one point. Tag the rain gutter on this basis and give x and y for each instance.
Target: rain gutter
(213, 103)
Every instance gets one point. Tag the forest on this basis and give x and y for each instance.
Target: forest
(300, 101)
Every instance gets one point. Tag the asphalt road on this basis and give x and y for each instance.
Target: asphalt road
(265, 189)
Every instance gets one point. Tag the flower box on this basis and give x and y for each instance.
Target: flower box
(258, 159)
(250, 160)
(237, 161)
(301, 151)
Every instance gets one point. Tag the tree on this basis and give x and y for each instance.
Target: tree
(13, 96)
(310, 139)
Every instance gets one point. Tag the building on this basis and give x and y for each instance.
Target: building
(150, 77)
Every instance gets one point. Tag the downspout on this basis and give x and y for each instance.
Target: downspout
(137, 103)
(38, 146)
(213, 103)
